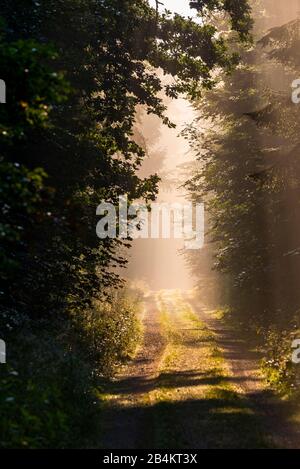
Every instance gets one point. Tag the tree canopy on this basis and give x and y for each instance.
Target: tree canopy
(76, 71)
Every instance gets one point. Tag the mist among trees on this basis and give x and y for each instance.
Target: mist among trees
(81, 75)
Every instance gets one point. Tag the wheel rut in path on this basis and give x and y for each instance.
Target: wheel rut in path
(244, 365)
(125, 415)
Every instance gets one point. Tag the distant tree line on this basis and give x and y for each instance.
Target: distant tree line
(249, 177)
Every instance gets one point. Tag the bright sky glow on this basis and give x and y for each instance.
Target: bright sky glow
(178, 6)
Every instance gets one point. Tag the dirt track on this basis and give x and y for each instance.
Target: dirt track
(192, 384)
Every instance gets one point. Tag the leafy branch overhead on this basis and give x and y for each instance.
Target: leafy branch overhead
(73, 96)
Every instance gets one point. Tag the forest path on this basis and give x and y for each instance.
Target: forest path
(192, 384)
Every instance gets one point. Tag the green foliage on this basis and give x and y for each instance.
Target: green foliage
(248, 184)
(50, 402)
(21, 194)
(238, 10)
(32, 87)
(110, 331)
(249, 177)
(30, 418)
(76, 71)
(72, 103)
(277, 365)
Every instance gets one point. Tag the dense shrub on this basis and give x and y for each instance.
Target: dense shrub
(48, 398)
(277, 365)
(110, 331)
